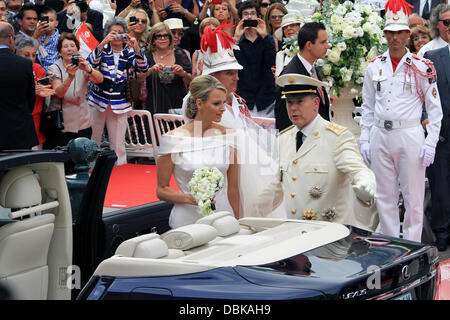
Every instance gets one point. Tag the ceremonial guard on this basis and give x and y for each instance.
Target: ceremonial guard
(392, 139)
(321, 169)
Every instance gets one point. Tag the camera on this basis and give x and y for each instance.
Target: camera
(75, 60)
(250, 23)
(167, 69)
(44, 81)
(216, 1)
(133, 19)
(167, 8)
(121, 36)
(44, 19)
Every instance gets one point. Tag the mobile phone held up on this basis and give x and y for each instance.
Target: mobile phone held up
(250, 23)
(167, 8)
(44, 19)
(44, 81)
(133, 20)
(75, 60)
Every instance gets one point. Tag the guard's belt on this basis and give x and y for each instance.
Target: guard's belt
(396, 124)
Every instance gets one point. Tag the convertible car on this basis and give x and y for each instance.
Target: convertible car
(56, 238)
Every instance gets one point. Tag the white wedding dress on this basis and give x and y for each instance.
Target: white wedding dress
(188, 154)
(258, 173)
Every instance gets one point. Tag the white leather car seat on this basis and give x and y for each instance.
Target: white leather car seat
(24, 244)
(147, 246)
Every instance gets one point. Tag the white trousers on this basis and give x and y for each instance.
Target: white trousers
(395, 159)
(116, 124)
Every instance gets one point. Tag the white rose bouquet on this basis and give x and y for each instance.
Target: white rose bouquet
(205, 182)
(355, 34)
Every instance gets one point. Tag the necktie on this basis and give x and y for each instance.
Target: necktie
(426, 10)
(299, 139)
(314, 75)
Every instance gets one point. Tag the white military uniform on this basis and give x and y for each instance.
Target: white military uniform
(393, 99)
(317, 179)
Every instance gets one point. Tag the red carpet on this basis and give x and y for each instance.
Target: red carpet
(444, 288)
(132, 185)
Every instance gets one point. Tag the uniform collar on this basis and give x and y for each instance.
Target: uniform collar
(407, 59)
(307, 130)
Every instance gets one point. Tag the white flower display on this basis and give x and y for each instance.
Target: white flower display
(204, 184)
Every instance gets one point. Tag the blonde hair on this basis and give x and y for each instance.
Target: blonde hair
(160, 26)
(201, 88)
(144, 35)
(210, 21)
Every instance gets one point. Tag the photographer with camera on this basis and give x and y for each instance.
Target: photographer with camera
(257, 55)
(175, 9)
(117, 57)
(47, 34)
(168, 77)
(147, 5)
(69, 76)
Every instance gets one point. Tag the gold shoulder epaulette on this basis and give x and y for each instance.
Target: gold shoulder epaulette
(284, 130)
(336, 128)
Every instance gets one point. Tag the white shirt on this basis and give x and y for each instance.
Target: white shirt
(308, 66)
(432, 45)
(307, 129)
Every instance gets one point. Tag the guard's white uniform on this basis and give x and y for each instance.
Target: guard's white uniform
(396, 97)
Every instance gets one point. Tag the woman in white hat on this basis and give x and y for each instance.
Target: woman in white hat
(177, 28)
(290, 26)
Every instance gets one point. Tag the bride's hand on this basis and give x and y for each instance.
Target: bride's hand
(189, 199)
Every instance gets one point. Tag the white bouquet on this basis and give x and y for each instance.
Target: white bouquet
(205, 182)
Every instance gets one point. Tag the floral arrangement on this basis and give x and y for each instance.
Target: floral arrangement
(205, 182)
(355, 34)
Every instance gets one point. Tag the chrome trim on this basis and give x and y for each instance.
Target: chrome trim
(398, 291)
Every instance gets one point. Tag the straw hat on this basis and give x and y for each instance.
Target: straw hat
(175, 23)
(288, 19)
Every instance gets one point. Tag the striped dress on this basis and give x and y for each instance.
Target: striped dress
(112, 89)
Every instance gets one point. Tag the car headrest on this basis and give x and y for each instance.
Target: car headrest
(145, 246)
(190, 236)
(223, 221)
(20, 188)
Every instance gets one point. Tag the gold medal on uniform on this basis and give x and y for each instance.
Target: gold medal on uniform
(309, 214)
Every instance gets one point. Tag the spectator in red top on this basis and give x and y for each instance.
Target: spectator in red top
(27, 48)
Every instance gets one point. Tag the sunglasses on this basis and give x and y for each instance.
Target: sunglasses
(264, 5)
(446, 22)
(277, 16)
(162, 36)
(178, 33)
(144, 21)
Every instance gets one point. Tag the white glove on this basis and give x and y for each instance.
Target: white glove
(427, 154)
(365, 150)
(365, 190)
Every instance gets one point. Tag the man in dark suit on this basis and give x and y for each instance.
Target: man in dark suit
(313, 44)
(423, 7)
(439, 172)
(17, 94)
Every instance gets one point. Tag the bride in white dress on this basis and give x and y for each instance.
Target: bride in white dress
(199, 143)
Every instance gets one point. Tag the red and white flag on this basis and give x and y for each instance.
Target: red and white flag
(87, 40)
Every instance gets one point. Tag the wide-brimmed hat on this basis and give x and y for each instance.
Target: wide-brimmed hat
(397, 15)
(217, 50)
(175, 23)
(296, 85)
(288, 19)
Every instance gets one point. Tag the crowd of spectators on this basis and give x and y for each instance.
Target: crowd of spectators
(161, 43)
